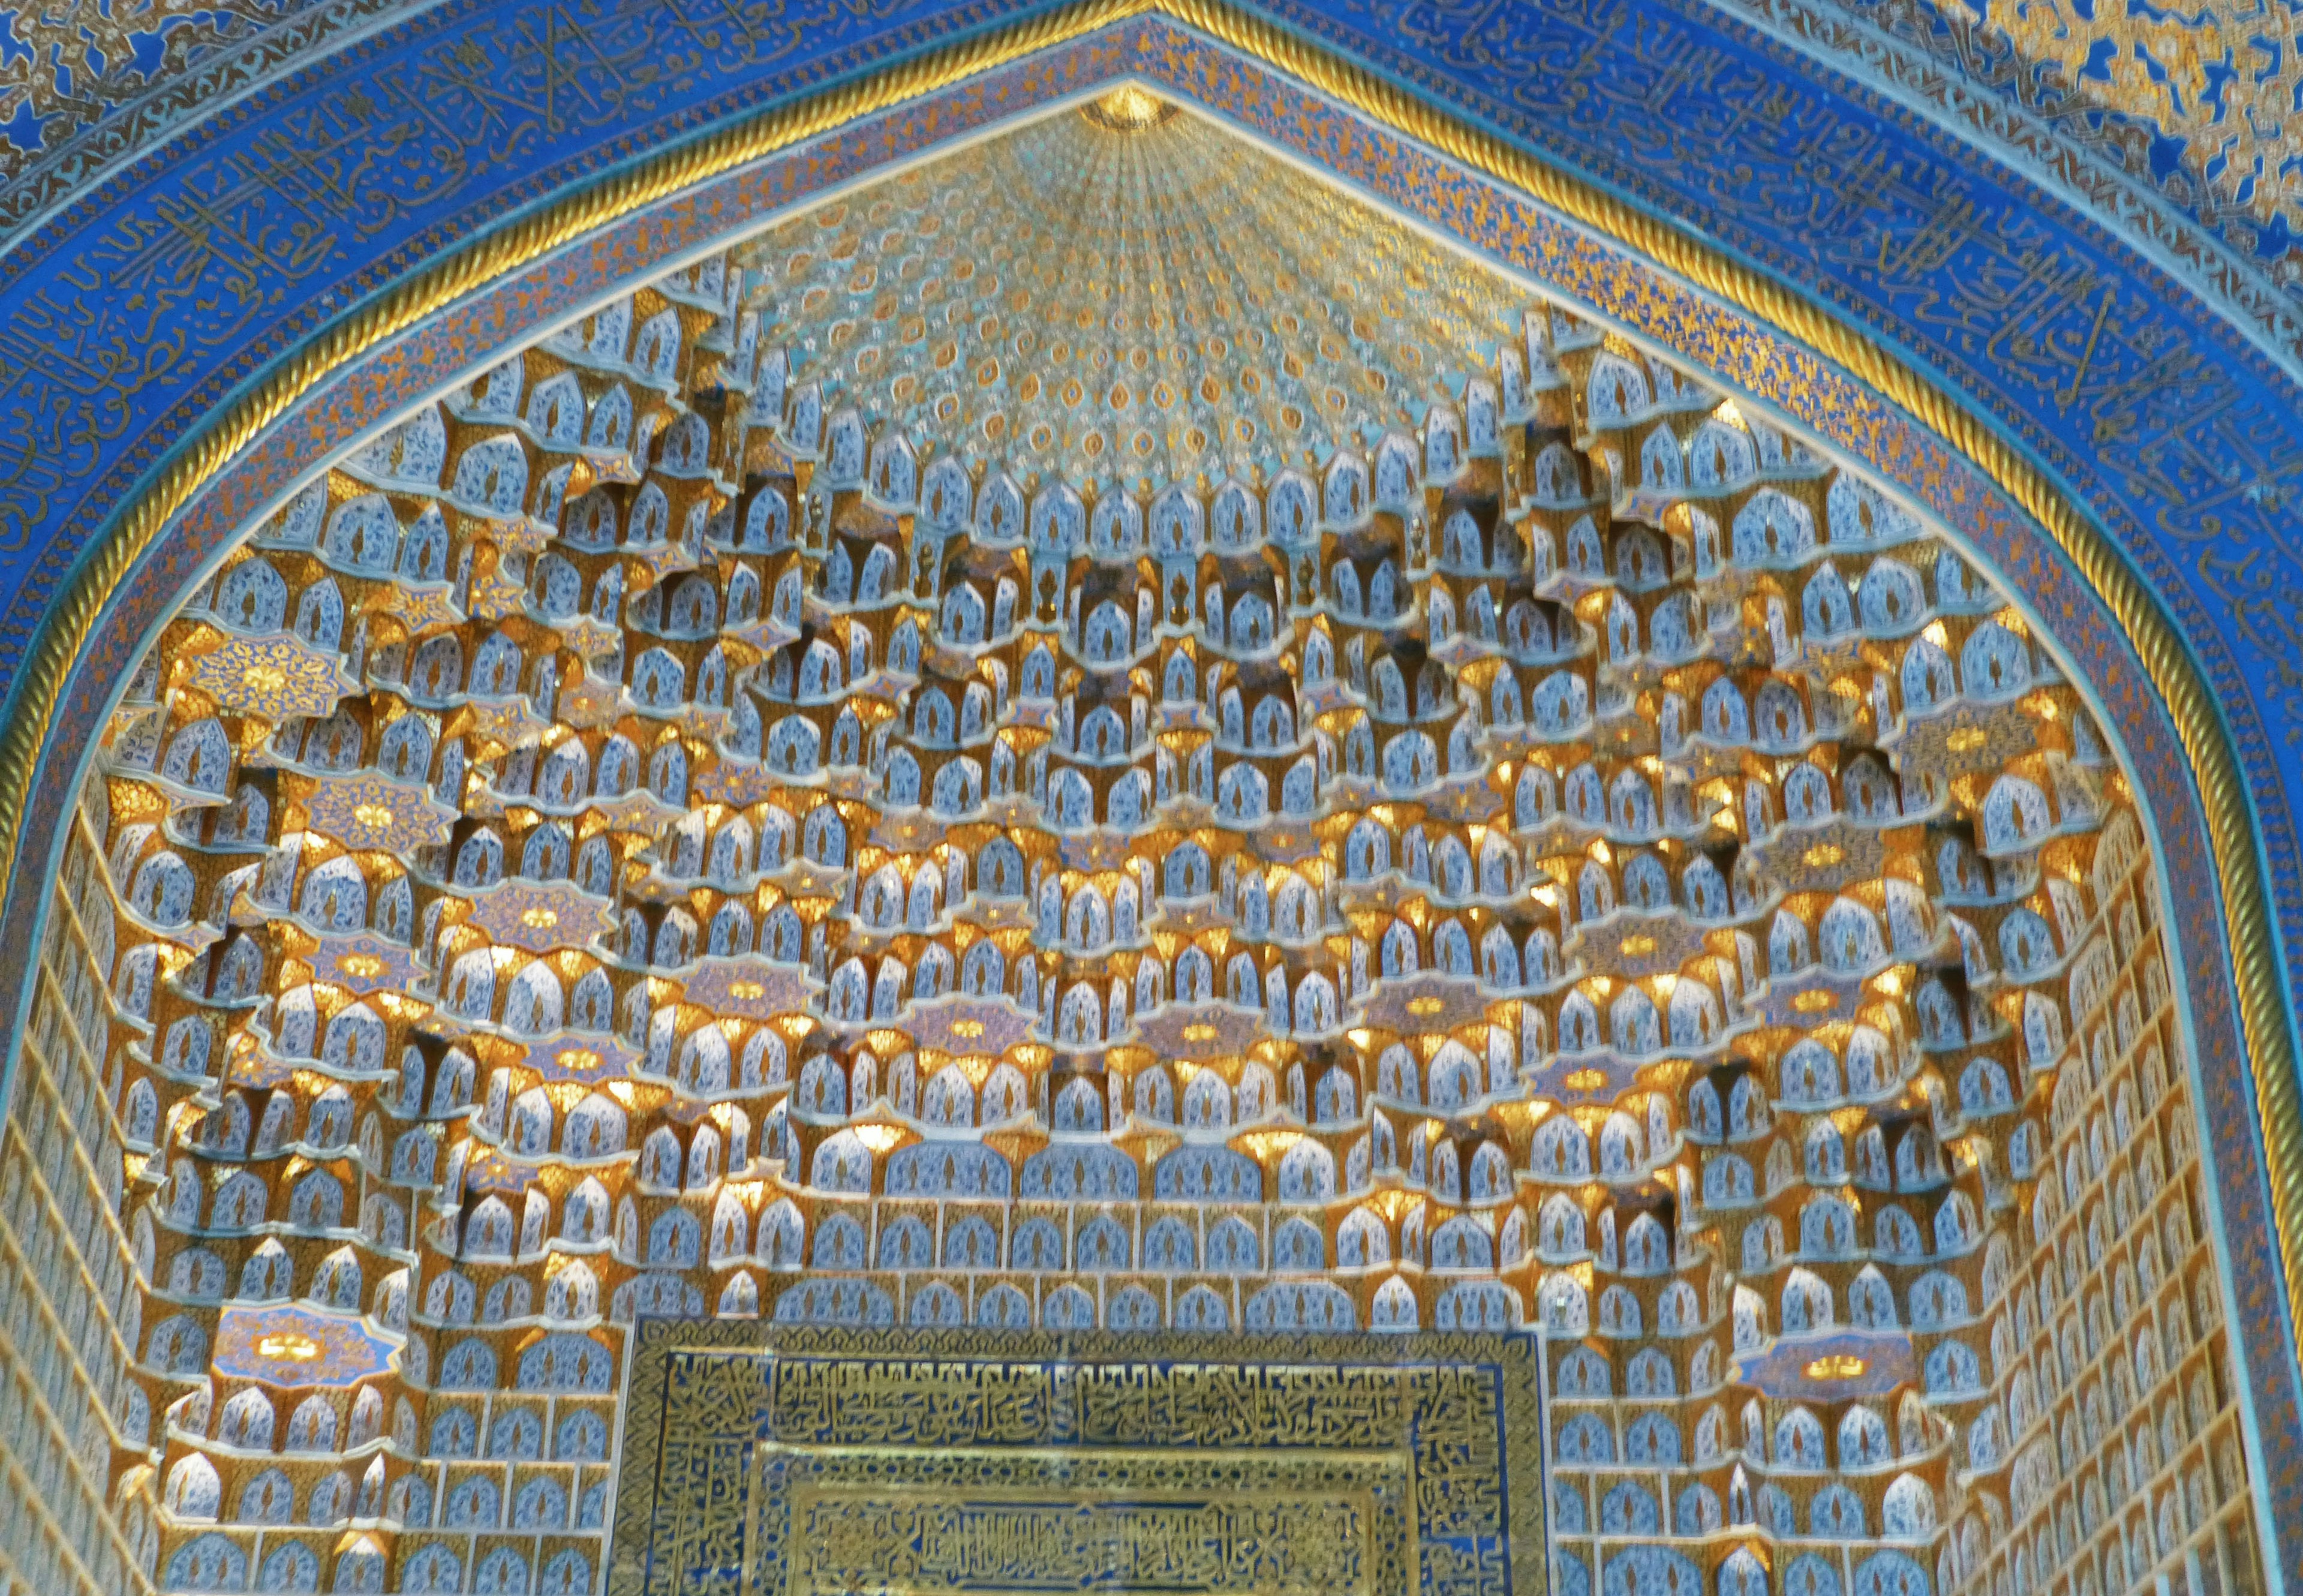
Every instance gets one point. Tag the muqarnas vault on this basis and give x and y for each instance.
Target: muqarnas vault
(1095, 735)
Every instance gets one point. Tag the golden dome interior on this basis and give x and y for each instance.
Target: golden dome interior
(1096, 734)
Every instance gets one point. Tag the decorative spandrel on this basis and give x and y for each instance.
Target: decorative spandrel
(800, 1461)
(1493, 834)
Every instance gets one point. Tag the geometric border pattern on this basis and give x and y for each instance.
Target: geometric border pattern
(731, 1430)
(554, 261)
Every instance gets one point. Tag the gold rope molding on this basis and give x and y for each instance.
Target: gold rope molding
(2261, 987)
(2255, 966)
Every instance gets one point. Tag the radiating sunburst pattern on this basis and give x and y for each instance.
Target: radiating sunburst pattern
(1098, 737)
(1160, 304)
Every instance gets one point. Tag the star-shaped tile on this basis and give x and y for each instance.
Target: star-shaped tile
(580, 1056)
(297, 1346)
(364, 962)
(1631, 943)
(1422, 1004)
(1831, 1367)
(1200, 1031)
(751, 987)
(278, 677)
(368, 812)
(962, 1024)
(540, 917)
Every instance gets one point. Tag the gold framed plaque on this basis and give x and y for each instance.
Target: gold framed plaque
(765, 1460)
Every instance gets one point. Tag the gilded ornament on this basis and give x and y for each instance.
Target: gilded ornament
(275, 677)
(954, 1460)
(369, 810)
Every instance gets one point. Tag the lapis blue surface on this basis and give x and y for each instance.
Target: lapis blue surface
(134, 315)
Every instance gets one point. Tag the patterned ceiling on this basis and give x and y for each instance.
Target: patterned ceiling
(1489, 834)
(1766, 712)
(1152, 307)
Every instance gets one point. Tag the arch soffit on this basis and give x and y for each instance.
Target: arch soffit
(1983, 477)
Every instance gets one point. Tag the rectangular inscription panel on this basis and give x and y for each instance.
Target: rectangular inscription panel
(767, 1461)
(934, 1541)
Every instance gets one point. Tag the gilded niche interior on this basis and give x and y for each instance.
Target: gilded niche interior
(1097, 735)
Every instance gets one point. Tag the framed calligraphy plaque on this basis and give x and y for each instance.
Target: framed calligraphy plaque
(767, 1460)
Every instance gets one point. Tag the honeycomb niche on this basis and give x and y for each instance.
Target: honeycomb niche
(1096, 735)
